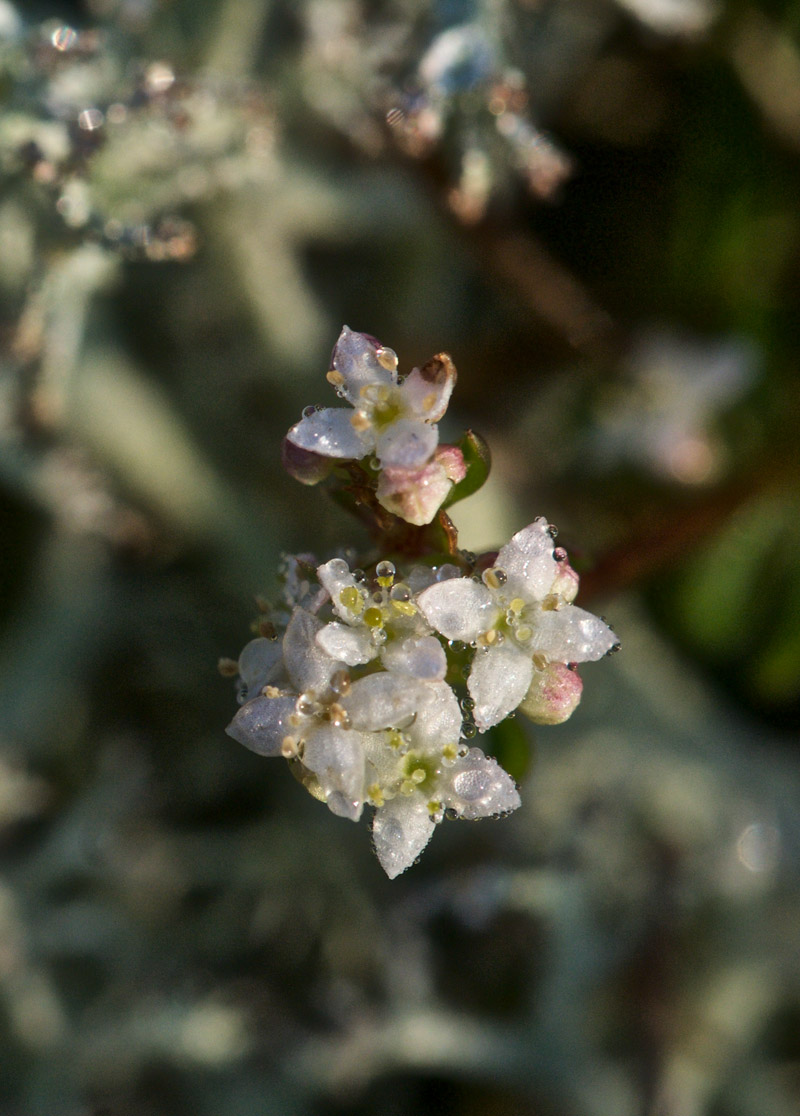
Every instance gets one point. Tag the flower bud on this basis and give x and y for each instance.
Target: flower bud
(305, 465)
(553, 694)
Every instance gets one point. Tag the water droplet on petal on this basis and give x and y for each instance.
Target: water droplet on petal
(472, 783)
(468, 730)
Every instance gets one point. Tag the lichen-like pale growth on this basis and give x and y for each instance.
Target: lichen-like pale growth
(383, 675)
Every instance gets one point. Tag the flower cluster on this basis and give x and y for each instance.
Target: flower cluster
(373, 682)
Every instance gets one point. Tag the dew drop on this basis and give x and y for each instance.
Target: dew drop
(552, 531)
(471, 784)
(385, 571)
(340, 683)
(310, 411)
(90, 119)
(494, 577)
(560, 554)
(468, 730)
(360, 576)
(64, 38)
(467, 704)
(306, 704)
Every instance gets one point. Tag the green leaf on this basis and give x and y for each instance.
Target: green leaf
(478, 459)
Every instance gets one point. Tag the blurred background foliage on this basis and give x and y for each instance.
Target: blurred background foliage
(592, 205)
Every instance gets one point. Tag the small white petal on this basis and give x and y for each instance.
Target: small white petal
(330, 432)
(353, 646)
(529, 563)
(426, 391)
(336, 756)
(498, 682)
(459, 608)
(355, 357)
(406, 443)
(259, 663)
(480, 788)
(401, 829)
(438, 720)
(382, 701)
(334, 576)
(262, 724)
(572, 635)
(420, 577)
(422, 658)
(309, 667)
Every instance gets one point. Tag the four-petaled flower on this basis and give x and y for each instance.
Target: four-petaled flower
(521, 620)
(393, 421)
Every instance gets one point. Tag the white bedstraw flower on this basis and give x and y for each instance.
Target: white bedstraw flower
(519, 618)
(428, 776)
(305, 719)
(372, 624)
(394, 421)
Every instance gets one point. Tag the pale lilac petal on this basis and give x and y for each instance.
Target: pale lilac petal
(498, 681)
(355, 358)
(259, 663)
(400, 831)
(330, 432)
(478, 787)
(309, 667)
(572, 635)
(427, 390)
(382, 701)
(438, 721)
(459, 608)
(336, 757)
(262, 724)
(420, 577)
(353, 646)
(406, 443)
(414, 494)
(529, 563)
(422, 658)
(334, 576)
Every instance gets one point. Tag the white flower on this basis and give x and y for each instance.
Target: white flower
(374, 624)
(305, 718)
(394, 421)
(414, 789)
(520, 619)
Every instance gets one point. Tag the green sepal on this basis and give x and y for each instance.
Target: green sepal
(478, 460)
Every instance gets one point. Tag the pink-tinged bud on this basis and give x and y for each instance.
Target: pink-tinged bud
(414, 494)
(553, 695)
(305, 465)
(452, 461)
(565, 585)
